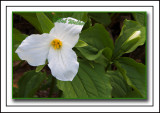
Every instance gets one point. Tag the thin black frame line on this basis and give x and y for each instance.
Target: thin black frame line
(85, 105)
(79, 6)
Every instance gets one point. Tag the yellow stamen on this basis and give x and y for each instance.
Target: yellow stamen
(56, 44)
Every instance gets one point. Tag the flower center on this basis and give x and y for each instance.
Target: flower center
(56, 43)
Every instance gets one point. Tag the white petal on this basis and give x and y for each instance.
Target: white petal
(67, 32)
(63, 63)
(34, 49)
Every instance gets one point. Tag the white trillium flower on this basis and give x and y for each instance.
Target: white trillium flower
(56, 47)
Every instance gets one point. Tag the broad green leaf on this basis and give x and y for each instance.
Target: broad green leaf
(97, 39)
(128, 41)
(107, 52)
(80, 16)
(119, 86)
(29, 83)
(17, 38)
(140, 17)
(90, 52)
(31, 18)
(102, 60)
(88, 83)
(87, 24)
(134, 74)
(81, 43)
(47, 83)
(77, 15)
(63, 15)
(102, 18)
(133, 94)
(45, 22)
(50, 15)
(97, 36)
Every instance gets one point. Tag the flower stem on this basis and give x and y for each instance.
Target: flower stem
(52, 87)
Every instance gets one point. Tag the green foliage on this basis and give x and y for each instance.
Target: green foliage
(87, 24)
(79, 16)
(102, 73)
(29, 83)
(31, 18)
(17, 38)
(15, 92)
(90, 52)
(45, 22)
(97, 36)
(140, 17)
(39, 68)
(81, 43)
(102, 18)
(127, 41)
(88, 83)
(120, 88)
(98, 40)
(134, 74)
(107, 52)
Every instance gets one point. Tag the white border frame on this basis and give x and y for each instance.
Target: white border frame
(110, 103)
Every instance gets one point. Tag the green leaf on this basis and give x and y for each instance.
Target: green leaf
(29, 83)
(81, 43)
(140, 17)
(102, 18)
(119, 86)
(87, 24)
(78, 15)
(97, 39)
(88, 83)
(45, 22)
(102, 60)
(97, 36)
(17, 38)
(133, 94)
(50, 16)
(128, 41)
(47, 83)
(39, 68)
(90, 52)
(63, 15)
(134, 74)
(31, 18)
(107, 52)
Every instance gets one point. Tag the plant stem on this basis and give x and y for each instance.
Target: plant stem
(52, 87)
